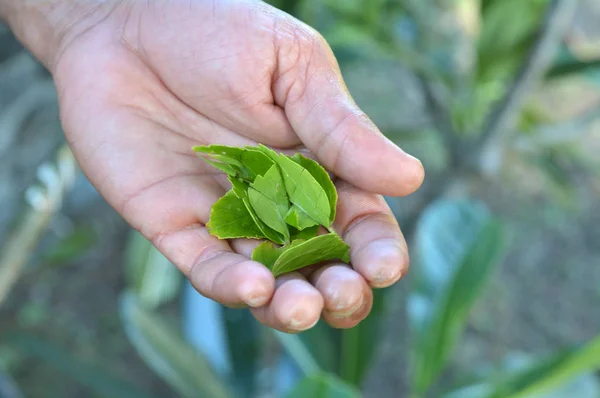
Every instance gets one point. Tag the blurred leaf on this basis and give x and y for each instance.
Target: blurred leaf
(575, 67)
(507, 23)
(149, 274)
(298, 351)
(164, 351)
(73, 246)
(564, 374)
(548, 374)
(359, 343)
(8, 387)
(96, 379)
(243, 342)
(323, 343)
(457, 245)
(323, 386)
(354, 41)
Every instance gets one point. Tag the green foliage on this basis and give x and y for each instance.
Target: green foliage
(357, 347)
(97, 380)
(458, 243)
(72, 246)
(323, 386)
(302, 188)
(301, 253)
(244, 346)
(231, 218)
(281, 198)
(546, 375)
(149, 274)
(164, 351)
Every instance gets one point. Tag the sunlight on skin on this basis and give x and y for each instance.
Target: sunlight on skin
(141, 82)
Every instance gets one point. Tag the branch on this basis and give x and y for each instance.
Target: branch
(442, 120)
(44, 202)
(504, 116)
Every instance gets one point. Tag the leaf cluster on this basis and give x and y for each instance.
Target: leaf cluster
(282, 199)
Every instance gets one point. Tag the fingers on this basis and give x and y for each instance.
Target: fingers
(215, 271)
(309, 86)
(347, 297)
(296, 305)
(378, 250)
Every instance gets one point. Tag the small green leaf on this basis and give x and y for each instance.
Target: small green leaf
(322, 177)
(240, 190)
(322, 385)
(303, 253)
(256, 162)
(306, 233)
(302, 188)
(269, 200)
(299, 219)
(268, 232)
(246, 163)
(230, 218)
(267, 253)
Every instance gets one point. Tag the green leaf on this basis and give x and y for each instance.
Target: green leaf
(323, 385)
(73, 246)
(546, 375)
(322, 177)
(165, 352)
(99, 381)
(269, 200)
(230, 218)
(295, 347)
(240, 190)
(256, 162)
(302, 188)
(299, 219)
(267, 253)
(357, 348)
(267, 231)
(149, 274)
(303, 253)
(224, 158)
(458, 244)
(323, 342)
(246, 163)
(306, 233)
(244, 346)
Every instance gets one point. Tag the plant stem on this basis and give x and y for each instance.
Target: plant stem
(504, 116)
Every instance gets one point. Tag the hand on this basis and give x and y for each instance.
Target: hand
(150, 79)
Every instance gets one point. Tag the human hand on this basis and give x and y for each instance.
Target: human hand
(141, 82)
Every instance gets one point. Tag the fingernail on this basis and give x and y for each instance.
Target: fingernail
(300, 324)
(347, 313)
(257, 301)
(387, 259)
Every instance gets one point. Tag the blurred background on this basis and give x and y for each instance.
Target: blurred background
(500, 99)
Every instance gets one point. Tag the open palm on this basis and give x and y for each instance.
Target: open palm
(151, 79)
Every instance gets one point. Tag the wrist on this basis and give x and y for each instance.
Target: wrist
(46, 27)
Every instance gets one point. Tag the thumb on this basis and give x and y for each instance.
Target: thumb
(308, 85)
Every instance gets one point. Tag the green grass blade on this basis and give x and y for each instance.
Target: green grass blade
(458, 245)
(243, 342)
(323, 386)
(149, 274)
(98, 380)
(165, 352)
(296, 349)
